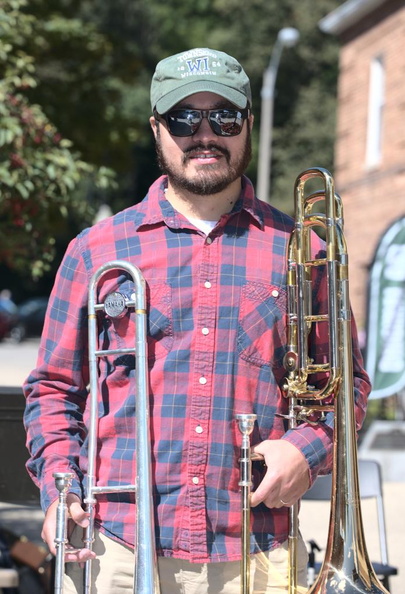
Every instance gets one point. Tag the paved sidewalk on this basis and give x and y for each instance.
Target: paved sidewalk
(314, 522)
(17, 361)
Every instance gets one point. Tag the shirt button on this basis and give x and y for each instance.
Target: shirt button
(209, 240)
(203, 380)
(199, 429)
(207, 285)
(275, 293)
(205, 331)
(195, 480)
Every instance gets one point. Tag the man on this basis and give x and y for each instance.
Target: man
(214, 260)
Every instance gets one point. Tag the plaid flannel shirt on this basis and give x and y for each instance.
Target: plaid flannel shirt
(216, 339)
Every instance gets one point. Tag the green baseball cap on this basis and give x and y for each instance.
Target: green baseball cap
(197, 70)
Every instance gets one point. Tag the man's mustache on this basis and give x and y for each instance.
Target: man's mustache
(205, 147)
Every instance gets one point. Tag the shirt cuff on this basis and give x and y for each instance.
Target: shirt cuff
(316, 445)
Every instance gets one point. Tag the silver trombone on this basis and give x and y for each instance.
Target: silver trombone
(246, 422)
(146, 580)
(63, 481)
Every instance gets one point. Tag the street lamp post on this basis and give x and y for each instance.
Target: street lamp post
(286, 37)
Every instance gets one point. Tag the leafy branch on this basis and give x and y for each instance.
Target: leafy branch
(40, 173)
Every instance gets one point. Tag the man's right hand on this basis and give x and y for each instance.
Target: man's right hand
(77, 515)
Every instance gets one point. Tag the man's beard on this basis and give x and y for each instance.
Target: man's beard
(211, 181)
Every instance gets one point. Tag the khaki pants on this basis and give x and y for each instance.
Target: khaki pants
(114, 567)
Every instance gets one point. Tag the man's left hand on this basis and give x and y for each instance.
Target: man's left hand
(287, 474)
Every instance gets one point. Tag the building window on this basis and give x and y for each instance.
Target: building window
(375, 111)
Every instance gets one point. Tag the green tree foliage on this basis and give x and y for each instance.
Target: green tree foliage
(305, 97)
(93, 63)
(39, 171)
(95, 59)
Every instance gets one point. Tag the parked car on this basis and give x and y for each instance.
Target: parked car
(31, 316)
(8, 316)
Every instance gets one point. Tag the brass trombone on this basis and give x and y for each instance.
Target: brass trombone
(146, 580)
(346, 567)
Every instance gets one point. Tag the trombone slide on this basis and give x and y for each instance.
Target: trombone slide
(146, 580)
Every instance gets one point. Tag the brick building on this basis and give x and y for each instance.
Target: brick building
(370, 142)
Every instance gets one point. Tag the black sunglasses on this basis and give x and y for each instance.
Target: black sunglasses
(223, 122)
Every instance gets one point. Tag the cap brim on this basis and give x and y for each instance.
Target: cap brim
(197, 86)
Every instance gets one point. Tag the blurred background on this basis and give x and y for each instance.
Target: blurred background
(75, 146)
(75, 78)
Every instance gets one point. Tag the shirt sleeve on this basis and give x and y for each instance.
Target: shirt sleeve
(56, 390)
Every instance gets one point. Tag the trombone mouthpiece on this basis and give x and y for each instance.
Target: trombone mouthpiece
(63, 480)
(246, 422)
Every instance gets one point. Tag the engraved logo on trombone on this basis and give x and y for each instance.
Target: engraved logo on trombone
(115, 305)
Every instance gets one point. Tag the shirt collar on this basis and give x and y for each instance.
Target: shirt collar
(155, 208)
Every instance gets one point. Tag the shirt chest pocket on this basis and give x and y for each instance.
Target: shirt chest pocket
(262, 331)
(159, 323)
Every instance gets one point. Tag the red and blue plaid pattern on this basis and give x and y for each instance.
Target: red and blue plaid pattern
(217, 337)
